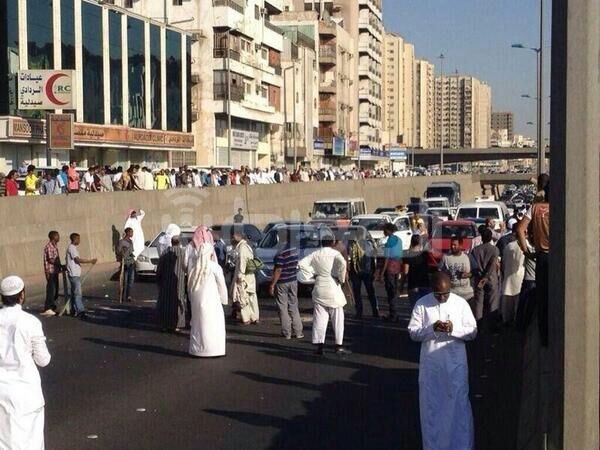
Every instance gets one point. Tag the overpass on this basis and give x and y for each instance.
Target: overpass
(429, 156)
(490, 183)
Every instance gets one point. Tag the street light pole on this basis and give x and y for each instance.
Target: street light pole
(442, 57)
(541, 162)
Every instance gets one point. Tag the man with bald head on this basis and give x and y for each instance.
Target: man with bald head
(442, 322)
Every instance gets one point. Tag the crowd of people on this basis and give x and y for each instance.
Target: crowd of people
(502, 281)
(69, 180)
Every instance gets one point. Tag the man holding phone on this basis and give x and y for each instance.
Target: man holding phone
(442, 322)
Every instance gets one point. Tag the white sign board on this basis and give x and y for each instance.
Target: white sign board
(46, 89)
(244, 140)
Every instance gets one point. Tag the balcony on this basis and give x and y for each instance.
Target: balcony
(228, 13)
(327, 54)
(328, 87)
(327, 114)
(327, 28)
(220, 92)
(224, 53)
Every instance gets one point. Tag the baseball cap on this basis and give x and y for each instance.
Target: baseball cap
(11, 285)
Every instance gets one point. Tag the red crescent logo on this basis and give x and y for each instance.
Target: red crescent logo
(50, 86)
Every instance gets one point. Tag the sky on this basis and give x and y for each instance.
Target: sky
(476, 36)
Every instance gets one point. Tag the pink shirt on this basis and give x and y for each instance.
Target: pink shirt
(73, 180)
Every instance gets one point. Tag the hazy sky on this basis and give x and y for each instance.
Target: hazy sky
(476, 37)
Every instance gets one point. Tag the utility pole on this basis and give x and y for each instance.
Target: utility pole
(541, 162)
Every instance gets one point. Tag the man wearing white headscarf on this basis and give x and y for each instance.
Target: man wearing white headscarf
(172, 305)
(208, 293)
(134, 221)
(164, 242)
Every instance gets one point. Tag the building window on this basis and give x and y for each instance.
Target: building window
(174, 67)
(137, 71)
(155, 79)
(67, 34)
(9, 58)
(115, 47)
(247, 87)
(40, 39)
(93, 79)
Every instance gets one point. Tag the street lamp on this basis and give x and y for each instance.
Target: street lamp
(539, 51)
(441, 58)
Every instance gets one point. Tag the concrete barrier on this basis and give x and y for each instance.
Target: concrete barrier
(99, 218)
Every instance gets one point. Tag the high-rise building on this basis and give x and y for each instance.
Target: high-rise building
(398, 91)
(132, 102)
(363, 21)
(462, 112)
(424, 104)
(503, 121)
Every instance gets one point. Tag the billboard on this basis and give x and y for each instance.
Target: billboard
(339, 146)
(46, 89)
(244, 140)
(60, 131)
(398, 153)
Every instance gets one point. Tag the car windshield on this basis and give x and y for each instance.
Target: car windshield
(436, 203)
(467, 213)
(331, 210)
(438, 212)
(370, 224)
(307, 238)
(446, 192)
(447, 231)
(489, 212)
(184, 239)
(252, 233)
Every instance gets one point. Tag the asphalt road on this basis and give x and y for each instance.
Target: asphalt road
(115, 382)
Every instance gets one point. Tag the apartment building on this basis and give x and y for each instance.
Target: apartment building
(463, 111)
(362, 20)
(503, 121)
(336, 140)
(424, 104)
(398, 91)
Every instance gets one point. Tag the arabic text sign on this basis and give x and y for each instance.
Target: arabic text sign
(46, 89)
(244, 140)
(60, 131)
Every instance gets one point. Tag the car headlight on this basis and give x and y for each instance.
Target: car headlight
(143, 259)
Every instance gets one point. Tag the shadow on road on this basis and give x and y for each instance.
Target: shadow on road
(139, 347)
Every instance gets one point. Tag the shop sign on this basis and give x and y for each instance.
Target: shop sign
(398, 154)
(26, 128)
(60, 131)
(244, 140)
(45, 89)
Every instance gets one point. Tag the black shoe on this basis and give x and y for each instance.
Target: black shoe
(339, 350)
(319, 350)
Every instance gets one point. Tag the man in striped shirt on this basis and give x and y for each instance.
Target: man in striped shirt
(284, 286)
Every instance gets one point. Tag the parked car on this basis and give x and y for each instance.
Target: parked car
(437, 202)
(147, 261)
(497, 211)
(417, 208)
(446, 189)
(337, 211)
(442, 213)
(373, 223)
(271, 225)
(306, 238)
(404, 232)
(439, 243)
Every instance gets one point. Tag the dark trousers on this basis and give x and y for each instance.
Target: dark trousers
(541, 293)
(526, 308)
(51, 291)
(128, 279)
(357, 280)
(391, 289)
(486, 301)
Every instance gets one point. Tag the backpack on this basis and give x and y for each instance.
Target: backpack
(253, 266)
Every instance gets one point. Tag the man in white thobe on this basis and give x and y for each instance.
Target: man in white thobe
(442, 322)
(328, 267)
(134, 221)
(22, 347)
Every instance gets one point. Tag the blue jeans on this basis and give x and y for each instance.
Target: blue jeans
(128, 279)
(76, 298)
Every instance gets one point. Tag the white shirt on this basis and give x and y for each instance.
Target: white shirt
(513, 269)
(89, 179)
(73, 269)
(329, 269)
(148, 180)
(22, 346)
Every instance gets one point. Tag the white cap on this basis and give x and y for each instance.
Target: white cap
(511, 223)
(11, 285)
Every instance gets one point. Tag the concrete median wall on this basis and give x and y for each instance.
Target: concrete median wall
(99, 218)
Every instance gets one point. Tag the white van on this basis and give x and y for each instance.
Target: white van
(337, 211)
(497, 211)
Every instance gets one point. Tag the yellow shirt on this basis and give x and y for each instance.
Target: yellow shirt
(31, 184)
(161, 182)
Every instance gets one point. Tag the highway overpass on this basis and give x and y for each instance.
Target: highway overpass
(428, 157)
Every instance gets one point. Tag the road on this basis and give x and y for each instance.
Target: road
(116, 382)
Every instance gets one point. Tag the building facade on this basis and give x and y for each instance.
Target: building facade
(424, 104)
(462, 112)
(503, 121)
(398, 92)
(132, 83)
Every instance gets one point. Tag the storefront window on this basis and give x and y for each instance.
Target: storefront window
(137, 73)
(115, 48)
(9, 52)
(67, 34)
(40, 42)
(155, 80)
(93, 80)
(174, 81)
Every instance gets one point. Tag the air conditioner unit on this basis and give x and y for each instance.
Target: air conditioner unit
(195, 78)
(198, 35)
(195, 116)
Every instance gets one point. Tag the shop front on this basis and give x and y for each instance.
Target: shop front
(24, 141)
